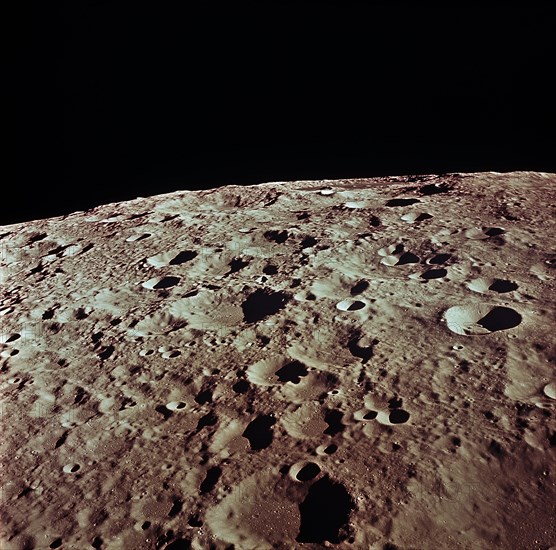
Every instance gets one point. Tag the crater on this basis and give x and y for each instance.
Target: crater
(158, 283)
(480, 319)
(350, 305)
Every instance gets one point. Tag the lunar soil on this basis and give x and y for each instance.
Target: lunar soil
(351, 364)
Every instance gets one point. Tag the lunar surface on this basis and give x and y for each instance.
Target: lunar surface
(359, 363)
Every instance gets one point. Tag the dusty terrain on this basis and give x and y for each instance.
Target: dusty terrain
(352, 363)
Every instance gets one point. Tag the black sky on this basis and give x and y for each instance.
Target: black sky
(117, 99)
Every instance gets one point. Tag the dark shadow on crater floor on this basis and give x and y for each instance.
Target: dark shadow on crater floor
(259, 432)
(325, 513)
(262, 303)
(292, 372)
(500, 318)
(501, 286)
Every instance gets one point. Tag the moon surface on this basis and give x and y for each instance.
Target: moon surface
(357, 363)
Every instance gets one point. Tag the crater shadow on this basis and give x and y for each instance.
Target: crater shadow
(325, 513)
(500, 318)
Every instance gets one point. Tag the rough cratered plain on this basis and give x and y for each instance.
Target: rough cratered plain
(359, 363)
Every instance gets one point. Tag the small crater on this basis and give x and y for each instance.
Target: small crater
(177, 506)
(36, 237)
(71, 468)
(550, 390)
(81, 314)
(434, 274)
(204, 397)
(166, 412)
(81, 396)
(158, 283)
(308, 472)
(263, 339)
(106, 352)
(493, 231)
(395, 403)
(434, 189)
(259, 432)
(194, 521)
(56, 543)
(362, 352)
(48, 314)
(371, 415)
(182, 257)
(61, 440)
(211, 479)
(412, 217)
(359, 287)
(350, 305)
(241, 386)
(333, 418)
(402, 202)
(439, 259)
(138, 237)
(236, 265)
(496, 449)
(422, 217)
(270, 270)
(398, 416)
(308, 242)
(408, 258)
(166, 282)
(25, 492)
(176, 405)
(37, 269)
(276, 236)
(209, 419)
